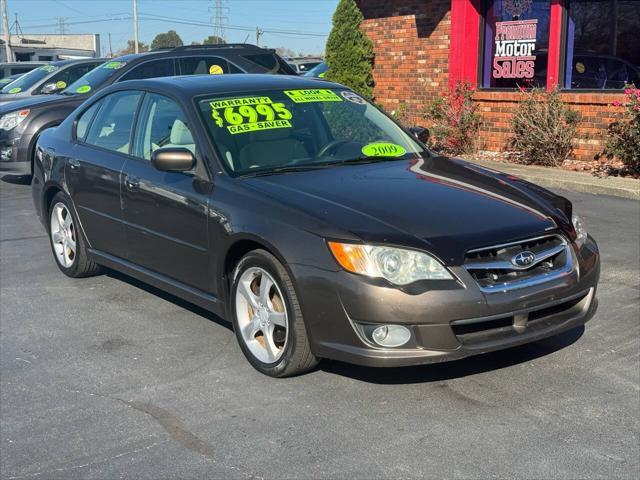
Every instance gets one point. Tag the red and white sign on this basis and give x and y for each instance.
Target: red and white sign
(515, 43)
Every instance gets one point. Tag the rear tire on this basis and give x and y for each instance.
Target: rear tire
(67, 242)
(267, 318)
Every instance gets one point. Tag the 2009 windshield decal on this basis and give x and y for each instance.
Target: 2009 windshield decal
(243, 115)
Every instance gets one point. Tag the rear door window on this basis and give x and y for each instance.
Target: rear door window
(111, 128)
(202, 65)
(151, 69)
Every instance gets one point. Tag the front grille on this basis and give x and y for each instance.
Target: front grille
(493, 269)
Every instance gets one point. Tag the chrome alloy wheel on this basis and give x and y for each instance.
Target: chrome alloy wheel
(63, 235)
(261, 314)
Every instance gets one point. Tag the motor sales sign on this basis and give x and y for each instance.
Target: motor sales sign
(515, 44)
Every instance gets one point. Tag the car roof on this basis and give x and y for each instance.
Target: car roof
(187, 50)
(196, 85)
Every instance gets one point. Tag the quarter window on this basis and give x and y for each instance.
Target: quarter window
(111, 128)
(85, 120)
(162, 124)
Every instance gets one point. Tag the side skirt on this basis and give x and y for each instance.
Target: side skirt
(190, 294)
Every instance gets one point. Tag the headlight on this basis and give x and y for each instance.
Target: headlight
(397, 265)
(13, 119)
(581, 229)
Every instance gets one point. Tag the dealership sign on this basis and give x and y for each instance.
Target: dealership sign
(515, 43)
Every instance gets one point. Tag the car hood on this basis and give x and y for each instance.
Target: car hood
(38, 101)
(446, 206)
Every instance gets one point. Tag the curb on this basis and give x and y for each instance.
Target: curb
(563, 179)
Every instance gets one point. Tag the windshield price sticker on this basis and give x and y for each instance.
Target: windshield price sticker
(15, 90)
(383, 150)
(243, 115)
(83, 89)
(114, 65)
(49, 68)
(314, 95)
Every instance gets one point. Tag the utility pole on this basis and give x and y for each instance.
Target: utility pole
(259, 33)
(135, 26)
(110, 49)
(61, 27)
(6, 34)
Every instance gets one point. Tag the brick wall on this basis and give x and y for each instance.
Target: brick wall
(497, 109)
(411, 45)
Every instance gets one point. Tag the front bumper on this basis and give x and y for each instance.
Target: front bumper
(446, 324)
(14, 158)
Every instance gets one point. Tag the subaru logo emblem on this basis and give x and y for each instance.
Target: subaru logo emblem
(524, 259)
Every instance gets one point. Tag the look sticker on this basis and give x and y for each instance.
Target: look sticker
(61, 84)
(313, 95)
(114, 65)
(83, 89)
(15, 90)
(249, 114)
(383, 149)
(215, 70)
(353, 97)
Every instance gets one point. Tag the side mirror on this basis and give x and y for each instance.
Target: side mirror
(173, 159)
(51, 88)
(421, 133)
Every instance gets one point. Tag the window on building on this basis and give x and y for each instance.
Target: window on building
(602, 44)
(516, 40)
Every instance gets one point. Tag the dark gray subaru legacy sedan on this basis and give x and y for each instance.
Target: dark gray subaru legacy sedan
(303, 214)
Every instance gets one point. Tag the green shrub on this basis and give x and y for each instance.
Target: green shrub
(454, 121)
(349, 52)
(623, 139)
(544, 128)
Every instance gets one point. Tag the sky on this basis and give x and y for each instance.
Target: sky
(301, 25)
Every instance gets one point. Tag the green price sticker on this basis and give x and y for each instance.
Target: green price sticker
(313, 95)
(61, 84)
(48, 68)
(15, 90)
(243, 115)
(114, 65)
(383, 150)
(83, 89)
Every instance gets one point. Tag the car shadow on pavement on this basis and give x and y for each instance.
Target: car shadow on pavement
(437, 372)
(168, 297)
(16, 179)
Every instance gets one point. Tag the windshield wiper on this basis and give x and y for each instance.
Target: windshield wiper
(366, 159)
(286, 169)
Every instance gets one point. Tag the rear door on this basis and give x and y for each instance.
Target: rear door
(165, 213)
(103, 139)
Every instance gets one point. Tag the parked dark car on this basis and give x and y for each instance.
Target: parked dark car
(22, 122)
(312, 221)
(13, 68)
(48, 79)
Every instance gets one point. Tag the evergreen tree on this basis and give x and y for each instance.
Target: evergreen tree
(169, 39)
(349, 52)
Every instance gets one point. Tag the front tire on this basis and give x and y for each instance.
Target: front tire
(67, 243)
(267, 319)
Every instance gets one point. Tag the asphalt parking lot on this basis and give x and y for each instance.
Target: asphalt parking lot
(108, 378)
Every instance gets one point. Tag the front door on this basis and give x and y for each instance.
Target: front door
(93, 171)
(165, 213)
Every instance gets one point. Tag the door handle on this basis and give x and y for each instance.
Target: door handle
(74, 163)
(132, 183)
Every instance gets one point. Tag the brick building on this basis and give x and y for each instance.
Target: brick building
(588, 48)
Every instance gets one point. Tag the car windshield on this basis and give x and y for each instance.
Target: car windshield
(279, 130)
(29, 79)
(317, 71)
(94, 79)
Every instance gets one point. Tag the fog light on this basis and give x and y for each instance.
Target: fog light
(391, 335)
(5, 154)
